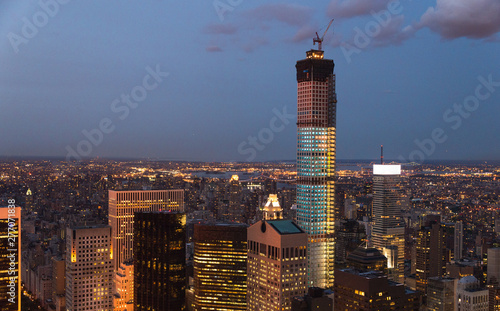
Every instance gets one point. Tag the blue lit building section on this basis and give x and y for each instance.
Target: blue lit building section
(316, 135)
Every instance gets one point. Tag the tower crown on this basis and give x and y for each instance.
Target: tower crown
(316, 54)
(272, 210)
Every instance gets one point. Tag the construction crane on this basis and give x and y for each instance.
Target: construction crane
(320, 40)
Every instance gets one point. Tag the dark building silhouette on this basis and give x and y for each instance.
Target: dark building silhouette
(371, 290)
(317, 299)
(220, 267)
(348, 236)
(431, 253)
(366, 259)
(159, 261)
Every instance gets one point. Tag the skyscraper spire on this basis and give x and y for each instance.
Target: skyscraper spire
(381, 154)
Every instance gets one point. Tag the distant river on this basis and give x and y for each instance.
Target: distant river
(225, 175)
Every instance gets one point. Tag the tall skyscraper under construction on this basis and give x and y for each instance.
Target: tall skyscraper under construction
(316, 145)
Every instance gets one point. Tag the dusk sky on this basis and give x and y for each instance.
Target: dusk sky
(207, 75)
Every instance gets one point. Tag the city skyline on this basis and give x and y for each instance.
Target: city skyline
(59, 197)
(399, 88)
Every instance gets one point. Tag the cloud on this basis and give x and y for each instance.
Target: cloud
(220, 29)
(394, 33)
(213, 48)
(304, 33)
(463, 18)
(342, 9)
(375, 35)
(254, 43)
(257, 27)
(290, 14)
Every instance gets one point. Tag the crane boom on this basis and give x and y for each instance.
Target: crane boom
(320, 40)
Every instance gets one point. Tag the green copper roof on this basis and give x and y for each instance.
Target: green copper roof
(285, 226)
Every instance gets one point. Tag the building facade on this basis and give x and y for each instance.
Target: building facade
(367, 259)
(317, 299)
(470, 296)
(431, 254)
(458, 250)
(371, 290)
(159, 261)
(441, 294)
(316, 152)
(493, 265)
(124, 287)
(276, 266)
(89, 268)
(220, 267)
(388, 226)
(123, 205)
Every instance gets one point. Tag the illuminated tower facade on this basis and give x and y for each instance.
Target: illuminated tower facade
(220, 267)
(316, 130)
(276, 266)
(388, 234)
(89, 268)
(123, 205)
(124, 282)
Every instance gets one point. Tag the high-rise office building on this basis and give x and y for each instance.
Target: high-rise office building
(494, 296)
(124, 287)
(493, 278)
(317, 299)
(89, 268)
(316, 151)
(371, 290)
(431, 254)
(10, 258)
(123, 205)
(159, 261)
(59, 283)
(220, 267)
(277, 265)
(470, 295)
(441, 294)
(388, 233)
(349, 235)
(58, 276)
(235, 211)
(367, 259)
(459, 240)
(493, 266)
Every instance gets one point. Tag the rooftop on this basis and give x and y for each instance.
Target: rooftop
(285, 226)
